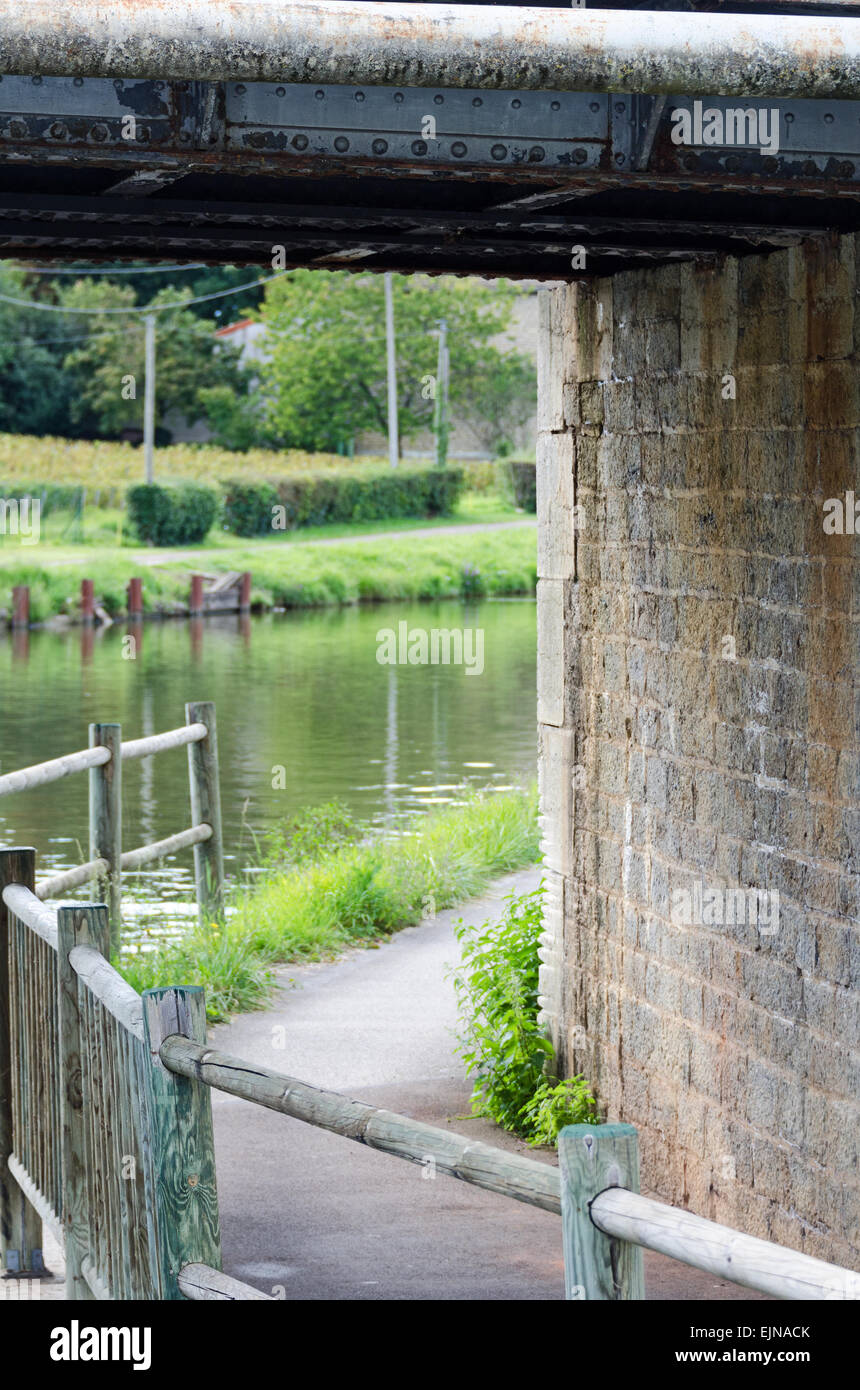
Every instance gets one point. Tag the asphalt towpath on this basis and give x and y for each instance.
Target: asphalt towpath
(308, 1215)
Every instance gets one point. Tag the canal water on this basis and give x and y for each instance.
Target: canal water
(305, 711)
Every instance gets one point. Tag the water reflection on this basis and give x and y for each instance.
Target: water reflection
(301, 690)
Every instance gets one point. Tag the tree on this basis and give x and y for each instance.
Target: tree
(109, 363)
(324, 376)
(35, 394)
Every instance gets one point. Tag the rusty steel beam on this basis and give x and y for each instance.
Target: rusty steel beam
(342, 41)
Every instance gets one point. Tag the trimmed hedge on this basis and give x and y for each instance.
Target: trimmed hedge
(179, 515)
(523, 478)
(318, 499)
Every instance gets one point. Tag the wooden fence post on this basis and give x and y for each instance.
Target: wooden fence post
(106, 826)
(20, 1223)
(79, 925)
(206, 809)
(183, 1146)
(592, 1158)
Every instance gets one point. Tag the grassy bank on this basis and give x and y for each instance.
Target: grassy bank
(302, 576)
(324, 887)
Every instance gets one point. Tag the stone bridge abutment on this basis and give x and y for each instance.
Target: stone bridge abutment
(699, 708)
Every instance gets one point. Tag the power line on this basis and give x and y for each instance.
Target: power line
(145, 308)
(97, 270)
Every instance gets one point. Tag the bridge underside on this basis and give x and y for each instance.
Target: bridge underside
(505, 183)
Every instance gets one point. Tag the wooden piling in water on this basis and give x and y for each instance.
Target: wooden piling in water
(134, 598)
(206, 810)
(20, 1223)
(88, 602)
(195, 602)
(21, 606)
(105, 804)
(245, 593)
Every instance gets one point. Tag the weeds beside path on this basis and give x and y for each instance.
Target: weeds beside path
(325, 886)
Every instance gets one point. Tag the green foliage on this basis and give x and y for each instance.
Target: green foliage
(326, 885)
(108, 365)
(326, 498)
(324, 376)
(497, 992)
(556, 1104)
(233, 417)
(181, 515)
(523, 478)
(308, 835)
(501, 1043)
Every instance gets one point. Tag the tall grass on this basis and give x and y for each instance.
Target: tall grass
(338, 890)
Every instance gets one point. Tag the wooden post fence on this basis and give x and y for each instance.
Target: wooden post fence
(591, 1158)
(105, 786)
(20, 1223)
(206, 809)
(183, 1144)
(85, 925)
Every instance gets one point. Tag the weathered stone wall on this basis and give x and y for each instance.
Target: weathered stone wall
(699, 701)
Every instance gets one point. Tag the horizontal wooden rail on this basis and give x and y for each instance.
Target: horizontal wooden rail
(202, 1283)
(160, 743)
(40, 774)
(158, 849)
(742, 1259)
(523, 1179)
(58, 884)
(55, 886)
(108, 986)
(27, 908)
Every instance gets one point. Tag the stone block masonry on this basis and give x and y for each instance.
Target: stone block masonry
(699, 708)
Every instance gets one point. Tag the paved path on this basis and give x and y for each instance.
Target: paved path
(311, 1215)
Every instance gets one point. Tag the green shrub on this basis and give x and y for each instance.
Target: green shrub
(319, 499)
(523, 480)
(501, 1042)
(180, 515)
(556, 1104)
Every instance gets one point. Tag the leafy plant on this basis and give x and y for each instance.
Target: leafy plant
(308, 835)
(497, 991)
(556, 1104)
(501, 1043)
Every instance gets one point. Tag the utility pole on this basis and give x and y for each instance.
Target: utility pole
(393, 442)
(440, 423)
(149, 398)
